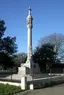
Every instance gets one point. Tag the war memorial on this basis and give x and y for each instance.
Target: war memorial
(29, 75)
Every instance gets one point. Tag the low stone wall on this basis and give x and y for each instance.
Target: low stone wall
(37, 83)
(44, 82)
(57, 70)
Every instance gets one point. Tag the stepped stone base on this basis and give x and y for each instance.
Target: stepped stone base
(26, 69)
(23, 70)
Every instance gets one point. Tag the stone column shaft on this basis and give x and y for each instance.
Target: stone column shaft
(29, 27)
(29, 43)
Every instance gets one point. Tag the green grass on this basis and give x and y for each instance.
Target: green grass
(6, 89)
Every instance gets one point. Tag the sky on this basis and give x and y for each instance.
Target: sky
(48, 18)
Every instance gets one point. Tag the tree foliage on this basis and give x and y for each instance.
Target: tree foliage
(44, 55)
(2, 28)
(56, 39)
(8, 47)
(6, 60)
(20, 58)
(7, 44)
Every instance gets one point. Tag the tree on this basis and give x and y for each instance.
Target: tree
(57, 40)
(6, 60)
(2, 28)
(8, 47)
(7, 44)
(20, 58)
(44, 56)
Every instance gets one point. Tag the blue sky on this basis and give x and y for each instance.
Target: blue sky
(48, 18)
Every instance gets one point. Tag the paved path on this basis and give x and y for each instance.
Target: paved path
(56, 90)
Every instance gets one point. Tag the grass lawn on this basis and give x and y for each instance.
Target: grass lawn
(6, 89)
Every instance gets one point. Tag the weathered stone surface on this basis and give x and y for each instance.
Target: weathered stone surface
(29, 67)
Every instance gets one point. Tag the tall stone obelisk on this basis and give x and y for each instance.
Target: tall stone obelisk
(28, 67)
(29, 27)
